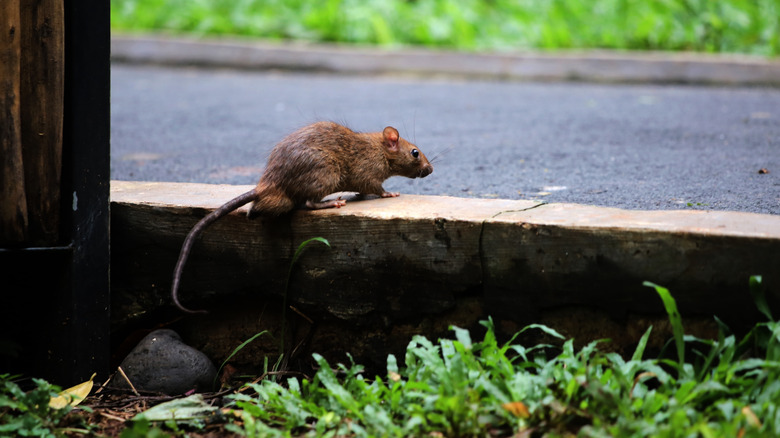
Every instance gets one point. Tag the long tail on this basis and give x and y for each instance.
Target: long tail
(194, 233)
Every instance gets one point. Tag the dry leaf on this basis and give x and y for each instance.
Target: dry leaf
(518, 409)
(73, 395)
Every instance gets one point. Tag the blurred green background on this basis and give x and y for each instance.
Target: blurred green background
(734, 26)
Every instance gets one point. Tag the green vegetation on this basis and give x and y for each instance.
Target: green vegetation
(28, 413)
(458, 387)
(700, 25)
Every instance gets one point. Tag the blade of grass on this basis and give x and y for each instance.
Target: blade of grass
(640, 348)
(759, 296)
(235, 351)
(674, 318)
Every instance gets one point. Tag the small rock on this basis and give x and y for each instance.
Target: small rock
(161, 362)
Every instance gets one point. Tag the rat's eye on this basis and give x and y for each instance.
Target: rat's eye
(415, 153)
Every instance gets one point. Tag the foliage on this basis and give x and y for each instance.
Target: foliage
(28, 413)
(458, 387)
(462, 387)
(698, 25)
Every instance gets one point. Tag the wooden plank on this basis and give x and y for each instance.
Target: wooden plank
(578, 255)
(390, 247)
(416, 264)
(523, 256)
(13, 205)
(42, 88)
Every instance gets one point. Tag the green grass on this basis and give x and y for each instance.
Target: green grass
(458, 387)
(697, 387)
(741, 26)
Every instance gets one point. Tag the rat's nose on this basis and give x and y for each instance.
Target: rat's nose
(426, 170)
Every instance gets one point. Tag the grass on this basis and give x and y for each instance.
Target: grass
(751, 27)
(459, 387)
(727, 386)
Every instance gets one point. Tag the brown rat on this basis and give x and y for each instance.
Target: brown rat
(311, 163)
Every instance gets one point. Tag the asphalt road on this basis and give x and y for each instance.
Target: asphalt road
(630, 146)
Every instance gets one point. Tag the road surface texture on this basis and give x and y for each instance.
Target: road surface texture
(646, 147)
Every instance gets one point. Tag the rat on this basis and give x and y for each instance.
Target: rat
(311, 163)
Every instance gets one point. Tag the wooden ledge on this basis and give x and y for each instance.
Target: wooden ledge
(440, 259)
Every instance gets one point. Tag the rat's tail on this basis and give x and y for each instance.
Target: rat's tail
(194, 233)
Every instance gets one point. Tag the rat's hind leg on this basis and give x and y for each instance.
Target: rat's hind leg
(270, 201)
(335, 203)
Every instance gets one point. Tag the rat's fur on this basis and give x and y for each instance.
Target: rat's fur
(311, 163)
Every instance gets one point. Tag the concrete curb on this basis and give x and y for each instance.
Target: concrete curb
(600, 66)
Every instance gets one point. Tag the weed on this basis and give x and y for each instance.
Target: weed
(459, 387)
(28, 413)
(298, 253)
(235, 351)
(463, 387)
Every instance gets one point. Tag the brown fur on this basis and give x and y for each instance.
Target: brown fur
(311, 163)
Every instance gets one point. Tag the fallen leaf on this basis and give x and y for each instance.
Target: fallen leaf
(181, 410)
(518, 409)
(73, 395)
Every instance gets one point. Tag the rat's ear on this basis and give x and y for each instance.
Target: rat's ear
(390, 135)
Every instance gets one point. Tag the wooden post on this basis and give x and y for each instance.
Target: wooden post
(13, 206)
(54, 142)
(42, 68)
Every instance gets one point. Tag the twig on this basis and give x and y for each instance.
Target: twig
(301, 314)
(100, 388)
(122, 372)
(113, 417)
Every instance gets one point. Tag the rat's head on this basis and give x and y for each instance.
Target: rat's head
(405, 158)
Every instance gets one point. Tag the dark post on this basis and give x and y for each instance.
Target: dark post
(54, 281)
(86, 140)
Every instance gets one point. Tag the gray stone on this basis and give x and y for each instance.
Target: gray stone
(161, 362)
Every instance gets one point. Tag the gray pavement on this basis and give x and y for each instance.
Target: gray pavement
(631, 146)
